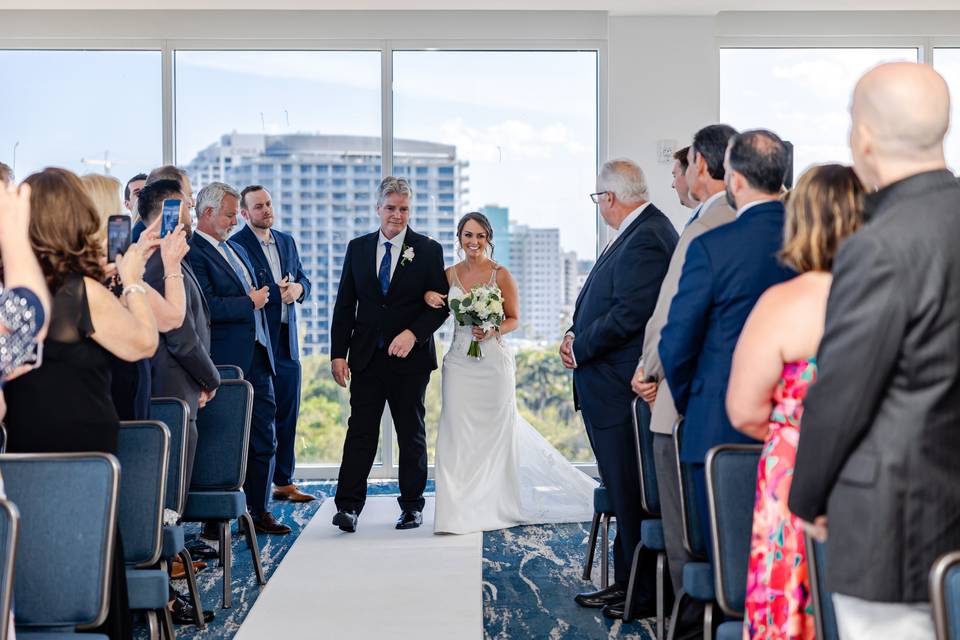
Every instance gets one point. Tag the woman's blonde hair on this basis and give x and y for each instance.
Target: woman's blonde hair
(105, 193)
(824, 207)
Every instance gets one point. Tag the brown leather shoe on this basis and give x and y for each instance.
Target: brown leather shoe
(177, 572)
(292, 493)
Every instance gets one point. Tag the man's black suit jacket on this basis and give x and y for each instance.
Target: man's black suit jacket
(362, 314)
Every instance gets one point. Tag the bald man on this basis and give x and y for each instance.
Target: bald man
(877, 464)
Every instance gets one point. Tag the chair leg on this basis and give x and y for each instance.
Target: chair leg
(166, 622)
(605, 558)
(631, 583)
(592, 545)
(251, 535)
(675, 614)
(226, 558)
(152, 625)
(187, 561)
(661, 595)
(708, 621)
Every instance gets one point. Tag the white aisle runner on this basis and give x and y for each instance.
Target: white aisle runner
(375, 583)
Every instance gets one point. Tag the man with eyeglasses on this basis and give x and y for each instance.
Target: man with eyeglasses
(602, 348)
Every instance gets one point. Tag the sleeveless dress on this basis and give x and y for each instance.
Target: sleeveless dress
(493, 469)
(75, 372)
(778, 602)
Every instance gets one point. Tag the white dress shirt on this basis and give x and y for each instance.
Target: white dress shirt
(396, 245)
(216, 245)
(750, 205)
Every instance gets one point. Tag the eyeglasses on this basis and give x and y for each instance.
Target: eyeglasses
(596, 196)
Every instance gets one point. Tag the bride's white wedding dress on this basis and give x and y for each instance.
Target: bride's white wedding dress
(493, 468)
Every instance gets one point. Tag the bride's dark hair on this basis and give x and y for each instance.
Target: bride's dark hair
(481, 220)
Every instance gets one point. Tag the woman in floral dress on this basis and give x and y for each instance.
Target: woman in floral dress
(773, 366)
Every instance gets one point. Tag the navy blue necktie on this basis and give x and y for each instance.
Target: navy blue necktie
(258, 320)
(384, 274)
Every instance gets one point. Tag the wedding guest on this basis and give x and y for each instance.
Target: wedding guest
(602, 348)
(679, 172)
(879, 443)
(724, 273)
(87, 324)
(773, 366)
(130, 381)
(167, 172)
(705, 180)
(131, 192)
(275, 257)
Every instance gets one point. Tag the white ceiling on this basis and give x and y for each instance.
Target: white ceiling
(618, 7)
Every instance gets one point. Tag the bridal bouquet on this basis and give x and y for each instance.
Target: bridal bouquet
(482, 307)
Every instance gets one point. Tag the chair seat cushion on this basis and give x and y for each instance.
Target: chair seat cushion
(732, 630)
(205, 506)
(651, 534)
(173, 540)
(148, 589)
(601, 501)
(698, 581)
(53, 635)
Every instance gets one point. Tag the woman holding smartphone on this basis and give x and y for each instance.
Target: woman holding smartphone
(88, 324)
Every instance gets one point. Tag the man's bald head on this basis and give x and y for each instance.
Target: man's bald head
(900, 115)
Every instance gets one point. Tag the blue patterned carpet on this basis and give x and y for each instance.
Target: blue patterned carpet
(530, 575)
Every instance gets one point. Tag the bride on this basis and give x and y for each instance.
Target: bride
(493, 469)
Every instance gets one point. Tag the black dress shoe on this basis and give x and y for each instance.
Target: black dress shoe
(182, 612)
(266, 523)
(200, 549)
(601, 598)
(346, 520)
(614, 610)
(410, 520)
(210, 531)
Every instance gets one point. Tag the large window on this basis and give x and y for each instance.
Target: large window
(512, 134)
(801, 94)
(305, 125)
(947, 62)
(87, 111)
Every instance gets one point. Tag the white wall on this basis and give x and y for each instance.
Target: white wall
(663, 85)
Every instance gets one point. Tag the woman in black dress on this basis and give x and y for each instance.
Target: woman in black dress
(87, 324)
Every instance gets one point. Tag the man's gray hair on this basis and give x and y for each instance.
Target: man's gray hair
(391, 185)
(212, 195)
(625, 179)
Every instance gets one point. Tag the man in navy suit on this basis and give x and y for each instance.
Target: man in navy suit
(602, 347)
(726, 270)
(275, 258)
(238, 333)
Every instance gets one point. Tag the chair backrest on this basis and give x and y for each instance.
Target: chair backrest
(68, 505)
(731, 493)
(643, 443)
(175, 413)
(143, 448)
(823, 613)
(230, 372)
(223, 434)
(945, 595)
(693, 530)
(9, 531)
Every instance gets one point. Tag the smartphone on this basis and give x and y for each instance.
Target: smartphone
(171, 216)
(118, 236)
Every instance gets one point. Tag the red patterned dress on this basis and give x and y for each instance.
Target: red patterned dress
(778, 603)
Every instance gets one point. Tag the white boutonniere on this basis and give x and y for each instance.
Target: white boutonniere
(407, 254)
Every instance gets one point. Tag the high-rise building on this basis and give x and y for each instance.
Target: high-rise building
(499, 218)
(536, 266)
(324, 190)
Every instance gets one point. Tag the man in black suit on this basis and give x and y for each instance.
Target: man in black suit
(181, 367)
(880, 435)
(603, 346)
(382, 336)
(275, 257)
(239, 334)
